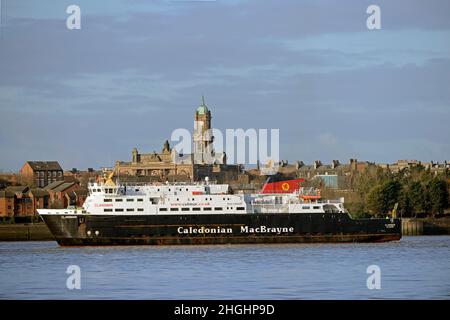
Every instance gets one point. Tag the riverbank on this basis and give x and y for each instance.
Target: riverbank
(425, 226)
(25, 232)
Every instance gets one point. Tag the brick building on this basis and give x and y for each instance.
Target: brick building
(171, 166)
(41, 173)
(63, 194)
(6, 204)
(22, 201)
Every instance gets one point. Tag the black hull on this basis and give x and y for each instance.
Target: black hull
(103, 230)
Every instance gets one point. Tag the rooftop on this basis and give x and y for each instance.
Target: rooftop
(44, 165)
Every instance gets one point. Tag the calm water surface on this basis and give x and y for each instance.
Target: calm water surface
(413, 268)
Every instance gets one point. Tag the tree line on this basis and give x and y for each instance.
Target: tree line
(417, 190)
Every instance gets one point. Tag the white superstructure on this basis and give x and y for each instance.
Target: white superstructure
(201, 198)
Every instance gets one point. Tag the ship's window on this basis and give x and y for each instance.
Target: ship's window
(98, 190)
(186, 189)
(119, 200)
(118, 210)
(316, 207)
(218, 208)
(130, 200)
(136, 190)
(107, 200)
(305, 207)
(178, 199)
(184, 209)
(107, 210)
(140, 200)
(207, 209)
(210, 199)
(162, 209)
(173, 209)
(195, 209)
(140, 209)
(240, 208)
(130, 209)
(158, 189)
(223, 199)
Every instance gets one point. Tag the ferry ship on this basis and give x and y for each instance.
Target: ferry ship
(209, 213)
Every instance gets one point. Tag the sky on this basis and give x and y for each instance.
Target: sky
(136, 71)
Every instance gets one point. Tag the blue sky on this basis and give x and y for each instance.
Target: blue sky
(137, 69)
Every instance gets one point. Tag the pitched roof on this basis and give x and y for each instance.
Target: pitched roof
(64, 186)
(17, 189)
(38, 192)
(81, 191)
(53, 185)
(44, 165)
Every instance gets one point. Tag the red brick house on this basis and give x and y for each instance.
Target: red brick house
(6, 204)
(41, 173)
(22, 202)
(62, 194)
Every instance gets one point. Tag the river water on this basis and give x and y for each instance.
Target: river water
(413, 268)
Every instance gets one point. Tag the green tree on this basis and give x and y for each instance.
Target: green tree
(438, 195)
(405, 205)
(391, 191)
(375, 201)
(417, 197)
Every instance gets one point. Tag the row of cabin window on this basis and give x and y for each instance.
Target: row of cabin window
(308, 207)
(140, 200)
(198, 209)
(172, 209)
(120, 200)
(121, 210)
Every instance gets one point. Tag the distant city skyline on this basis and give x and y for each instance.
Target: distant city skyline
(136, 71)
